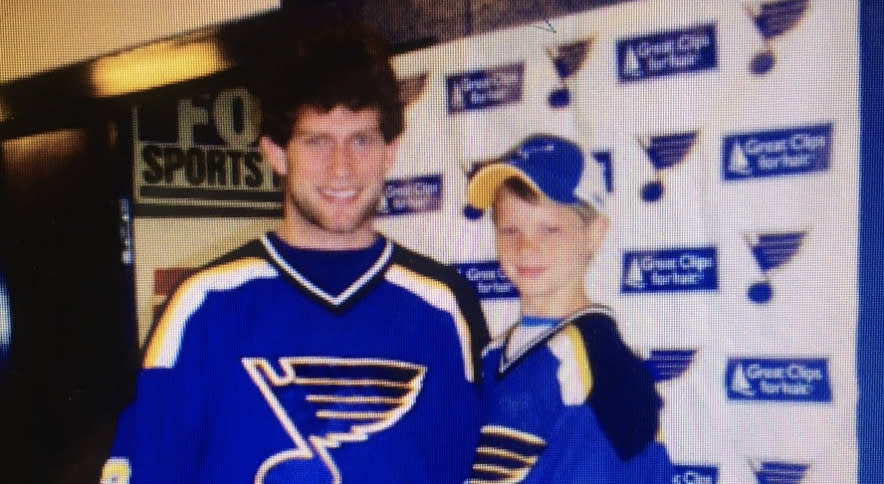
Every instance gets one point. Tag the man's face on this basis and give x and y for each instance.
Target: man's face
(334, 167)
(544, 247)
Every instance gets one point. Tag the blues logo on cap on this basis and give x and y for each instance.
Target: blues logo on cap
(771, 250)
(664, 152)
(664, 365)
(552, 166)
(779, 472)
(772, 19)
(567, 58)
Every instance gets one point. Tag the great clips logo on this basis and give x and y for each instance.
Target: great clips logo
(778, 379)
(670, 270)
(487, 279)
(411, 195)
(482, 89)
(694, 474)
(667, 53)
(780, 152)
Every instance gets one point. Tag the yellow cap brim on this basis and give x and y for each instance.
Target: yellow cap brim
(483, 185)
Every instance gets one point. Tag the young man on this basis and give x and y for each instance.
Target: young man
(322, 352)
(565, 400)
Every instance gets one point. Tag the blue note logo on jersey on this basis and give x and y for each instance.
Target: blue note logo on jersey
(772, 19)
(567, 59)
(695, 474)
(483, 89)
(779, 472)
(667, 53)
(324, 402)
(504, 455)
(487, 279)
(411, 195)
(779, 152)
(664, 152)
(666, 365)
(670, 270)
(771, 250)
(778, 379)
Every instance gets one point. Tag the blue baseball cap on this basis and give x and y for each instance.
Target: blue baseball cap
(551, 166)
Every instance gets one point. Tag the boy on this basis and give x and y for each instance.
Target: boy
(565, 400)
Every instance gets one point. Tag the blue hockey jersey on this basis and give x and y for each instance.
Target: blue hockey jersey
(569, 403)
(256, 375)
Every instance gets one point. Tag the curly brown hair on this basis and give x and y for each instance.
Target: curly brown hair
(344, 64)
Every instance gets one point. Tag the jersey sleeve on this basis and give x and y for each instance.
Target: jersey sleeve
(159, 436)
(623, 396)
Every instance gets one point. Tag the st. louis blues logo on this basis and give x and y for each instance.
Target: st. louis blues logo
(779, 472)
(771, 251)
(666, 365)
(664, 152)
(567, 58)
(411, 88)
(324, 402)
(772, 19)
(504, 455)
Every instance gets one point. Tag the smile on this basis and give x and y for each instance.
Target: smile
(341, 195)
(530, 271)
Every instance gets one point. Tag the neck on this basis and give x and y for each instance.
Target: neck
(308, 236)
(559, 305)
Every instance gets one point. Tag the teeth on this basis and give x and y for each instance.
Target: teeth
(339, 194)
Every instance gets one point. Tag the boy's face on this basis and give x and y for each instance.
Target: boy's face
(544, 247)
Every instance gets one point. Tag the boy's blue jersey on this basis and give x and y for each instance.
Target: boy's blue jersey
(573, 406)
(255, 375)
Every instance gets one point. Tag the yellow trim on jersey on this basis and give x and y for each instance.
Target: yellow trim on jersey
(582, 359)
(514, 434)
(116, 470)
(162, 351)
(440, 296)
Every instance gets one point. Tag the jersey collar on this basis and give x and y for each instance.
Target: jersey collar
(507, 363)
(334, 301)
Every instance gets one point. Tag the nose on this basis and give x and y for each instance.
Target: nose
(341, 161)
(526, 245)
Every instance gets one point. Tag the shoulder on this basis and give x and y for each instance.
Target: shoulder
(414, 271)
(224, 275)
(442, 287)
(623, 395)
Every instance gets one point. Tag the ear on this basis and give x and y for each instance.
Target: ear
(595, 232)
(275, 154)
(390, 152)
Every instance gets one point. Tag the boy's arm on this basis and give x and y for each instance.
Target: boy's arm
(623, 395)
(159, 436)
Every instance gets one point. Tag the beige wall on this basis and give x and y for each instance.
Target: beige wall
(39, 35)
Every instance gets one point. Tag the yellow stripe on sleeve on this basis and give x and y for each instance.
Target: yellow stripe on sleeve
(162, 351)
(438, 295)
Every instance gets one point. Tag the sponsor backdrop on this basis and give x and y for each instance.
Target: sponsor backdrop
(728, 134)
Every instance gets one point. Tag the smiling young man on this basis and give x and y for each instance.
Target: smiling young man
(322, 352)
